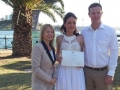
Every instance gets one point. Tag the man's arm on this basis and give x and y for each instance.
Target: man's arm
(113, 54)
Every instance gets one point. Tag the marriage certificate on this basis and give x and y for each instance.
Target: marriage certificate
(72, 58)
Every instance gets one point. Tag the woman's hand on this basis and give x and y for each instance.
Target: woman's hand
(53, 80)
(59, 59)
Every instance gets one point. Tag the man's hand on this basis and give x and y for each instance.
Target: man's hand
(53, 80)
(108, 79)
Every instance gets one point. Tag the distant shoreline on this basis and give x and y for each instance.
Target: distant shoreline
(6, 30)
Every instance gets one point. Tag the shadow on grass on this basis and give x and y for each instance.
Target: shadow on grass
(15, 81)
(18, 65)
(11, 56)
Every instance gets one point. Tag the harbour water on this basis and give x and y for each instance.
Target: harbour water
(6, 38)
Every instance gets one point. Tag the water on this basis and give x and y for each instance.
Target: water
(9, 38)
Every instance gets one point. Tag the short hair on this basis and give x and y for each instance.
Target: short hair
(94, 5)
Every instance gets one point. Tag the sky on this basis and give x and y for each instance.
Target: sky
(111, 12)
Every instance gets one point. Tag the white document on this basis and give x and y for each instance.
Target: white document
(72, 58)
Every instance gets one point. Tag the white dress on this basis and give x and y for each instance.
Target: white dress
(70, 78)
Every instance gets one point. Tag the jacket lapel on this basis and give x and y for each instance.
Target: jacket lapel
(48, 52)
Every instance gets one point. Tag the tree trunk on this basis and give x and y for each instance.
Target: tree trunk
(22, 39)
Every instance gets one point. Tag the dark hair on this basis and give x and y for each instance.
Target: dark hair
(94, 5)
(63, 28)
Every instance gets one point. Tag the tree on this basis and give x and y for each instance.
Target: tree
(22, 21)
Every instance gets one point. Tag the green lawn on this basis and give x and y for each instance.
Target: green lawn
(14, 77)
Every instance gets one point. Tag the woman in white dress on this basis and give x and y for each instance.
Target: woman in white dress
(69, 78)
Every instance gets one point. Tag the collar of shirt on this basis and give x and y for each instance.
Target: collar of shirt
(100, 27)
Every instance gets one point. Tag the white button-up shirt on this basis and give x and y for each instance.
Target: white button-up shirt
(101, 47)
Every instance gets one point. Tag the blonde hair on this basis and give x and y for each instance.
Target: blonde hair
(44, 27)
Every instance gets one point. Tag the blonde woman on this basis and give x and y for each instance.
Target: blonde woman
(43, 59)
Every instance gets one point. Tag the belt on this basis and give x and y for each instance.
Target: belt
(97, 69)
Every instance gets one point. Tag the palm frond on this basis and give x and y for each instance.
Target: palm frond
(45, 7)
(49, 9)
(23, 3)
(58, 10)
(55, 1)
(8, 3)
(61, 2)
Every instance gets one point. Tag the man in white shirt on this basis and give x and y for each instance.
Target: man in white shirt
(101, 51)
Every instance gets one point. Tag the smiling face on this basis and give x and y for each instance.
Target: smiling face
(48, 34)
(95, 14)
(70, 24)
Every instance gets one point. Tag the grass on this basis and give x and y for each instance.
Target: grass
(116, 82)
(14, 77)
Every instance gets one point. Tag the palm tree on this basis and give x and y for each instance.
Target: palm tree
(22, 21)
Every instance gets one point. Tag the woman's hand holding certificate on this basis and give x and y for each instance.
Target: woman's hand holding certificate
(72, 58)
(59, 59)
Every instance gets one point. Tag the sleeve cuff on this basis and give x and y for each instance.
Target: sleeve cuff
(111, 73)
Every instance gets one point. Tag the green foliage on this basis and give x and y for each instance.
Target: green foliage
(45, 6)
